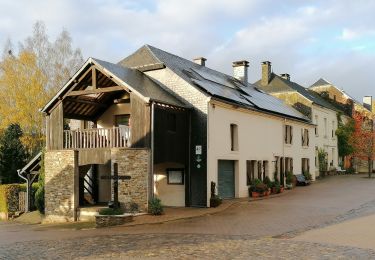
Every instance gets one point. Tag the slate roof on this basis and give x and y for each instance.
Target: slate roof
(209, 81)
(141, 83)
(320, 82)
(132, 78)
(278, 84)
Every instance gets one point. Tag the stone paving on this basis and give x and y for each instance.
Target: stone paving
(259, 229)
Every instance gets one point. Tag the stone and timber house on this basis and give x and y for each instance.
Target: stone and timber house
(172, 125)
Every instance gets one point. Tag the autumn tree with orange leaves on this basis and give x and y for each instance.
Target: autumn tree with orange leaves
(363, 140)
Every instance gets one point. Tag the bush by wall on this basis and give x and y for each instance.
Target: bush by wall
(9, 197)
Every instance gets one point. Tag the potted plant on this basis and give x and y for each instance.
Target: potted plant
(261, 190)
(308, 176)
(267, 181)
(276, 187)
(252, 186)
(289, 180)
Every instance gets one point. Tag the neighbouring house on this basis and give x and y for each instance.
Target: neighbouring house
(349, 105)
(172, 125)
(319, 111)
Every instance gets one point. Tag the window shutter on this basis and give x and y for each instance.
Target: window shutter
(302, 137)
(291, 134)
(286, 133)
(307, 136)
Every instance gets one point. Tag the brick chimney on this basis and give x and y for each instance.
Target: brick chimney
(266, 73)
(240, 70)
(285, 76)
(200, 60)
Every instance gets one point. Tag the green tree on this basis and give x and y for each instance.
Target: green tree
(344, 132)
(13, 154)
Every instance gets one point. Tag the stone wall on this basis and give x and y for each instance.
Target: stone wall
(61, 185)
(135, 163)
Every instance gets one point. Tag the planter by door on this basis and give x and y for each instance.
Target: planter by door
(226, 179)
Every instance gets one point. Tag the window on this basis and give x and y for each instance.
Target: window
(305, 137)
(171, 122)
(288, 134)
(333, 129)
(260, 170)
(233, 137)
(288, 164)
(305, 165)
(175, 176)
(316, 126)
(122, 120)
(250, 171)
(325, 127)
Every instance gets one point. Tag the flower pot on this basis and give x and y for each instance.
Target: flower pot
(255, 194)
(281, 189)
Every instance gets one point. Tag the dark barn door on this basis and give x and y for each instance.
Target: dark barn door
(226, 179)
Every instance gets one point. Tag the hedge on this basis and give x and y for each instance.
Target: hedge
(9, 196)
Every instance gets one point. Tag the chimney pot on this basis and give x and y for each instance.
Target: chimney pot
(240, 70)
(200, 60)
(285, 76)
(368, 102)
(266, 73)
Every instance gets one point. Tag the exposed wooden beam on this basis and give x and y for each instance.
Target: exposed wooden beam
(95, 91)
(121, 100)
(78, 117)
(93, 77)
(88, 102)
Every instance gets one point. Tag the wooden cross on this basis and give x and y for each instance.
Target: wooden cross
(115, 177)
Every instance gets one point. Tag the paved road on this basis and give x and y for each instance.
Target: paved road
(258, 229)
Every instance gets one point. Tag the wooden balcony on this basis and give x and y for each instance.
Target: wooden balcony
(115, 137)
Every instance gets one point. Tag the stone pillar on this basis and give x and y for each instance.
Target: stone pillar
(135, 163)
(61, 185)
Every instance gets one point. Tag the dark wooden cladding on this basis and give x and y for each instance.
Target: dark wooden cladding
(171, 135)
(55, 128)
(140, 122)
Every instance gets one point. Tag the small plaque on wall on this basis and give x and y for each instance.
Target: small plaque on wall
(175, 176)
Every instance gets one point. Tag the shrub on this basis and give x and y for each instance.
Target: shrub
(9, 197)
(253, 184)
(267, 181)
(215, 201)
(39, 199)
(289, 178)
(111, 211)
(350, 170)
(261, 187)
(134, 207)
(155, 207)
(308, 176)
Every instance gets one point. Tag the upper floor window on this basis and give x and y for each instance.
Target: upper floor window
(333, 129)
(325, 127)
(233, 137)
(288, 134)
(305, 137)
(316, 126)
(122, 120)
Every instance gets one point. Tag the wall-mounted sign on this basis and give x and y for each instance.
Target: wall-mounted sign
(175, 176)
(198, 149)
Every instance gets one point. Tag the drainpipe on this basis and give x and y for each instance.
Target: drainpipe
(27, 190)
(152, 148)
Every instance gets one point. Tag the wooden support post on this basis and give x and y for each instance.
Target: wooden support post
(93, 75)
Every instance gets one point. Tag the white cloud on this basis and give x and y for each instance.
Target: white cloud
(299, 37)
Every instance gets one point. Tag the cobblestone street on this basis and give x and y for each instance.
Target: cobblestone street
(262, 229)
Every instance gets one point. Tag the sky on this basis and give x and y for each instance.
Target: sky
(308, 39)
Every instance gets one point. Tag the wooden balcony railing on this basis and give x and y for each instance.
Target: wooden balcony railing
(97, 138)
